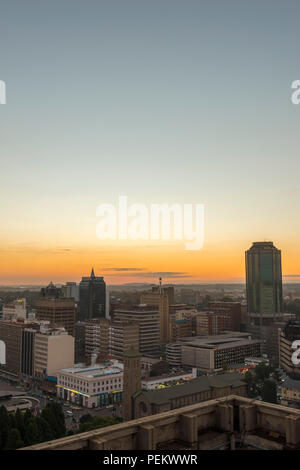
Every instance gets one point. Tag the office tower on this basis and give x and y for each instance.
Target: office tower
(51, 291)
(71, 290)
(27, 354)
(163, 297)
(264, 296)
(80, 342)
(232, 311)
(123, 336)
(131, 380)
(181, 329)
(92, 297)
(53, 350)
(264, 278)
(209, 353)
(55, 308)
(97, 338)
(11, 334)
(147, 318)
(210, 323)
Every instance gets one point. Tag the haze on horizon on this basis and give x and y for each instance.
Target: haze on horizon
(163, 101)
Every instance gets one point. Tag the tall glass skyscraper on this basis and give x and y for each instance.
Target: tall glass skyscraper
(264, 278)
(92, 297)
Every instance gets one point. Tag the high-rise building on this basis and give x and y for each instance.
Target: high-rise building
(232, 311)
(53, 350)
(147, 318)
(264, 278)
(210, 323)
(71, 290)
(92, 297)
(80, 342)
(163, 297)
(11, 333)
(264, 296)
(57, 310)
(97, 338)
(27, 354)
(123, 336)
(131, 380)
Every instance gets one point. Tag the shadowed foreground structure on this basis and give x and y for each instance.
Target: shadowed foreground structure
(231, 422)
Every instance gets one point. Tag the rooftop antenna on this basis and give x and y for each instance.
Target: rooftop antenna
(160, 288)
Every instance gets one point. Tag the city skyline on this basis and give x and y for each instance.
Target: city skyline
(116, 275)
(165, 102)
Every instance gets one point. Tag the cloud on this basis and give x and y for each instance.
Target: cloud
(122, 269)
(143, 273)
(168, 274)
(291, 275)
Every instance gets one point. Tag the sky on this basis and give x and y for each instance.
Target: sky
(164, 102)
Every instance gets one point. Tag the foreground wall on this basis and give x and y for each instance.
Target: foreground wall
(207, 425)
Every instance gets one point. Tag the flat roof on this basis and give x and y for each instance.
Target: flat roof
(99, 370)
(291, 383)
(200, 384)
(222, 341)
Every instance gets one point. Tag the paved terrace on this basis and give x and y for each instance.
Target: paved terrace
(231, 422)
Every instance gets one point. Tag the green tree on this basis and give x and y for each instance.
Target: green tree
(45, 432)
(31, 433)
(19, 419)
(98, 422)
(262, 372)
(27, 417)
(252, 390)
(54, 416)
(85, 418)
(269, 391)
(14, 440)
(4, 426)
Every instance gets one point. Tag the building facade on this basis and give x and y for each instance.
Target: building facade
(286, 337)
(214, 353)
(264, 278)
(163, 298)
(94, 386)
(147, 319)
(53, 350)
(92, 297)
(200, 389)
(57, 310)
(132, 381)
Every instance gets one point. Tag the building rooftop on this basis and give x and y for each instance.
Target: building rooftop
(200, 384)
(150, 360)
(222, 341)
(291, 383)
(98, 370)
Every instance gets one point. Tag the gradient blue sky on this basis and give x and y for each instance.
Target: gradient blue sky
(162, 101)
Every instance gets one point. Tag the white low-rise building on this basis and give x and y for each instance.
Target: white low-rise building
(94, 386)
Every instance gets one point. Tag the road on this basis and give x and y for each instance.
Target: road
(43, 401)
